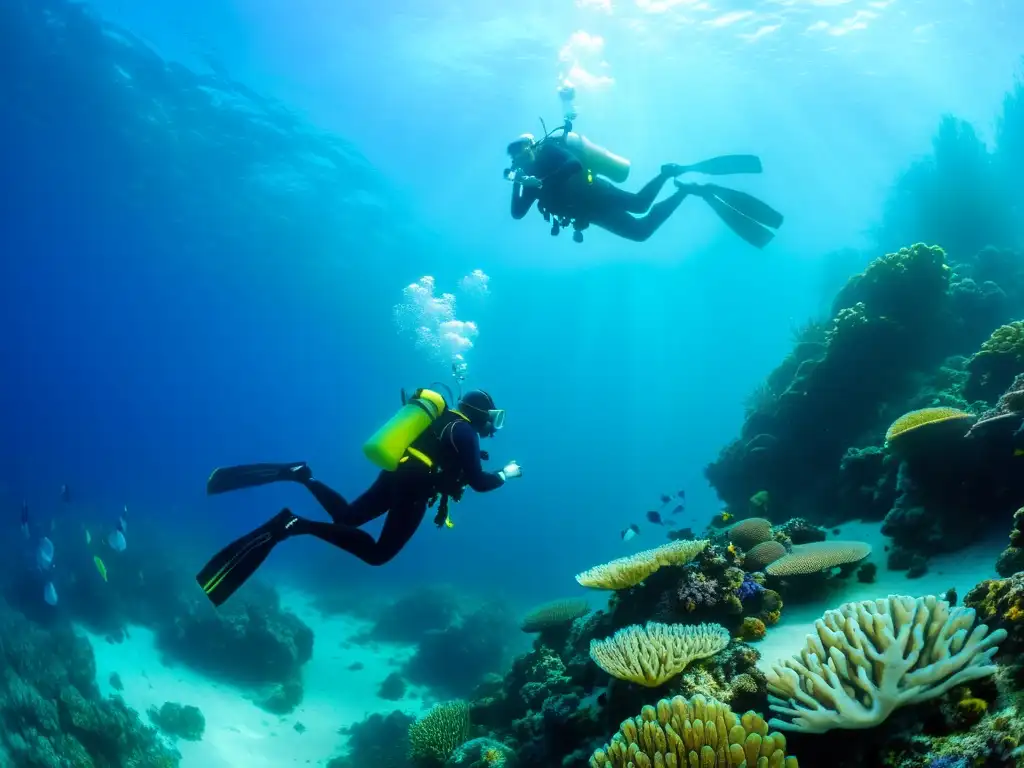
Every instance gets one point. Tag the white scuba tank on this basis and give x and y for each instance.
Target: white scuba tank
(596, 159)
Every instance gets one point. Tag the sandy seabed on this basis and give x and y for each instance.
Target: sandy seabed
(239, 734)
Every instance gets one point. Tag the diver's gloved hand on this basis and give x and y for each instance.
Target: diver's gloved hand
(511, 470)
(530, 181)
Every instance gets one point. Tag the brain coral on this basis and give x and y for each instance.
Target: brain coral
(699, 732)
(750, 532)
(818, 556)
(763, 555)
(655, 653)
(867, 659)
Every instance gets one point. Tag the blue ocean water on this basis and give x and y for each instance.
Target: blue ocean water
(211, 211)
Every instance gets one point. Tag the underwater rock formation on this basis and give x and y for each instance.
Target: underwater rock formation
(454, 660)
(993, 368)
(51, 711)
(430, 608)
(1011, 559)
(182, 721)
(250, 641)
(883, 331)
(380, 740)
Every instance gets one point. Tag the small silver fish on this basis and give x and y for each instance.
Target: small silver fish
(50, 593)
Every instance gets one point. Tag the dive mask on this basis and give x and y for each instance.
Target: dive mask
(496, 419)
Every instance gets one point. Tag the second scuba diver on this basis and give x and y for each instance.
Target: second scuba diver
(428, 454)
(571, 178)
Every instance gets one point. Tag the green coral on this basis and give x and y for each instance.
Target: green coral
(435, 736)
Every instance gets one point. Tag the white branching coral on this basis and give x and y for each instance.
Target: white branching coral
(869, 658)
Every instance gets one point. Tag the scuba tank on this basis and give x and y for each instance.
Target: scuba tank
(388, 445)
(597, 159)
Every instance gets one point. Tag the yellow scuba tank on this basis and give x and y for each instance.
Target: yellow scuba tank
(596, 159)
(388, 445)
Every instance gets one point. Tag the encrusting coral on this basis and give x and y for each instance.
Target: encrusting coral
(699, 732)
(869, 658)
(626, 572)
(653, 654)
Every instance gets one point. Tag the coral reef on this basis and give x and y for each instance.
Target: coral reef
(700, 731)
(50, 708)
(884, 321)
(869, 658)
(655, 653)
(1011, 559)
(992, 369)
(482, 753)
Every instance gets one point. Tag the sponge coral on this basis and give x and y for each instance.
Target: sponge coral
(435, 736)
(653, 654)
(867, 659)
(818, 556)
(626, 572)
(699, 732)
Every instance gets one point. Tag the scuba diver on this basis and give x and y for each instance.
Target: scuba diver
(571, 180)
(428, 454)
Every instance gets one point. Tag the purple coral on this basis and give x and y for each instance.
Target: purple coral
(696, 589)
(749, 588)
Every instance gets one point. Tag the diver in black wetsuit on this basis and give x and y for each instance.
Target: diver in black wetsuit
(439, 465)
(551, 175)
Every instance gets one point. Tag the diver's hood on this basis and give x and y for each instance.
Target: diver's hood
(520, 143)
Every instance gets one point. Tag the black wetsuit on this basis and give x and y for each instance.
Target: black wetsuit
(402, 495)
(566, 192)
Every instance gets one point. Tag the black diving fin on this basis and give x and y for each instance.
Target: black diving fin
(754, 233)
(224, 479)
(748, 205)
(230, 568)
(725, 165)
